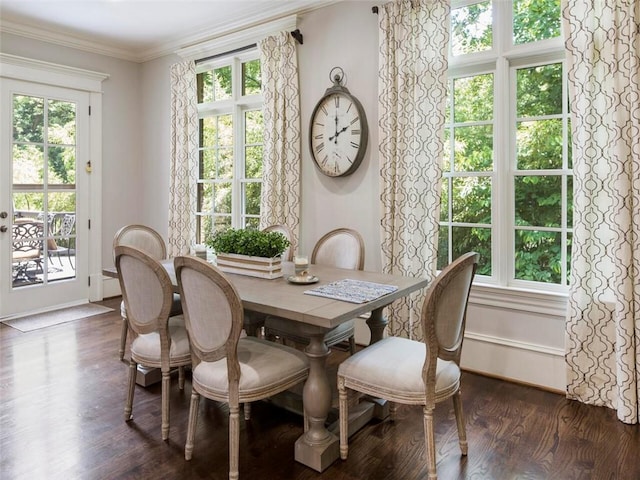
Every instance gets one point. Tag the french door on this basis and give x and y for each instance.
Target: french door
(44, 199)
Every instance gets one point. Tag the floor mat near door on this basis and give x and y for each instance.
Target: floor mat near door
(29, 323)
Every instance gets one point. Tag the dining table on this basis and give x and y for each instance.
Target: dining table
(313, 316)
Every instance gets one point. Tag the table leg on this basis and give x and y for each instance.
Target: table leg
(377, 324)
(317, 448)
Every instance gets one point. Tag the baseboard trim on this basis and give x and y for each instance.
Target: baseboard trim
(520, 362)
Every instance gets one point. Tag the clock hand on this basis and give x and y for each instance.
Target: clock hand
(338, 132)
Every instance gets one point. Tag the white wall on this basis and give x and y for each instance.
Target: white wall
(122, 119)
(509, 334)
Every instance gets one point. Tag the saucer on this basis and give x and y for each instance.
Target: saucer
(306, 280)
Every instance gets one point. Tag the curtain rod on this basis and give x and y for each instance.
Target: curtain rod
(295, 34)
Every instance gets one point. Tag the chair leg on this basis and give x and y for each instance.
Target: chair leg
(462, 432)
(166, 382)
(393, 408)
(234, 441)
(128, 407)
(181, 377)
(352, 345)
(344, 419)
(429, 441)
(123, 337)
(247, 410)
(191, 429)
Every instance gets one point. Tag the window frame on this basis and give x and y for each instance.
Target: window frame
(236, 106)
(503, 60)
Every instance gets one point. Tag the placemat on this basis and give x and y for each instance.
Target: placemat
(354, 291)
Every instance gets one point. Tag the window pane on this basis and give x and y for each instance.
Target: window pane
(446, 154)
(473, 98)
(253, 162)
(28, 164)
(443, 247)
(62, 165)
(61, 203)
(252, 198)
(473, 149)
(222, 196)
(539, 90)
(538, 201)
(444, 201)
(204, 82)
(251, 78)
(28, 204)
(217, 131)
(471, 29)
(62, 123)
(214, 85)
(472, 200)
(538, 256)
(539, 145)
(252, 222)
(253, 127)
(570, 201)
(535, 20)
(205, 203)
(28, 119)
(473, 239)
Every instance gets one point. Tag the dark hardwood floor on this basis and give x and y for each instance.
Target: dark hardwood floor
(62, 392)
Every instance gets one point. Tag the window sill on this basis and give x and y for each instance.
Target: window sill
(544, 303)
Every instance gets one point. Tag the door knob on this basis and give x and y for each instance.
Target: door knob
(4, 214)
(3, 228)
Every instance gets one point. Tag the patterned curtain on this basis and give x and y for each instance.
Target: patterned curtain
(414, 38)
(184, 159)
(280, 199)
(603, 319)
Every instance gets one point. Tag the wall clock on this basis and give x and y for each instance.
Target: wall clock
(338, 130)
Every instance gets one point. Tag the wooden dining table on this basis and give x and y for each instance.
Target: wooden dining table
(313, 317)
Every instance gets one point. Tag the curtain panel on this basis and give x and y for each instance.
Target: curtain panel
(412, 88)
(603, 318)
(280, 197)
(184, 159)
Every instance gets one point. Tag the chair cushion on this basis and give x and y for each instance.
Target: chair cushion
(145, 349)
(263, 365)
(392, 368)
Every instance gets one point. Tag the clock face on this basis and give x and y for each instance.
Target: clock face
(338, 134)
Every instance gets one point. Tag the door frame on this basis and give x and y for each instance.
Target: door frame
(38, 71)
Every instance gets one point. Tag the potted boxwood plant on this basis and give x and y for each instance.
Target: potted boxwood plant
(249, 252)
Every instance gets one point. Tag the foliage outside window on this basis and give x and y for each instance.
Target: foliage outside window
(507, 186)
(230, 144)
(44, 159)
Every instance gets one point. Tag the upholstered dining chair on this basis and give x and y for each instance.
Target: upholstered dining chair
(159, 340)
(340, 248)
(418, 373)
(287, 255)
(151, 242)
(226, 366)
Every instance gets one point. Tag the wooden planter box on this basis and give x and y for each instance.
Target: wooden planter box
(253, 266)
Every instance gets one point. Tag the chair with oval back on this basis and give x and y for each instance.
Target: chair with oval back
(340, 248)
(228, 367)
(150, 242)
(159, 340)
(414, 372)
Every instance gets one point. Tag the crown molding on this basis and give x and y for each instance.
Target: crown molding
(67, 40)
(193, 38)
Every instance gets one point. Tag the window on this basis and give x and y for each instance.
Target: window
(230, 143)
(507, 186)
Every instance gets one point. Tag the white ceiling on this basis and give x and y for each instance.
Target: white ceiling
(140, 30)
